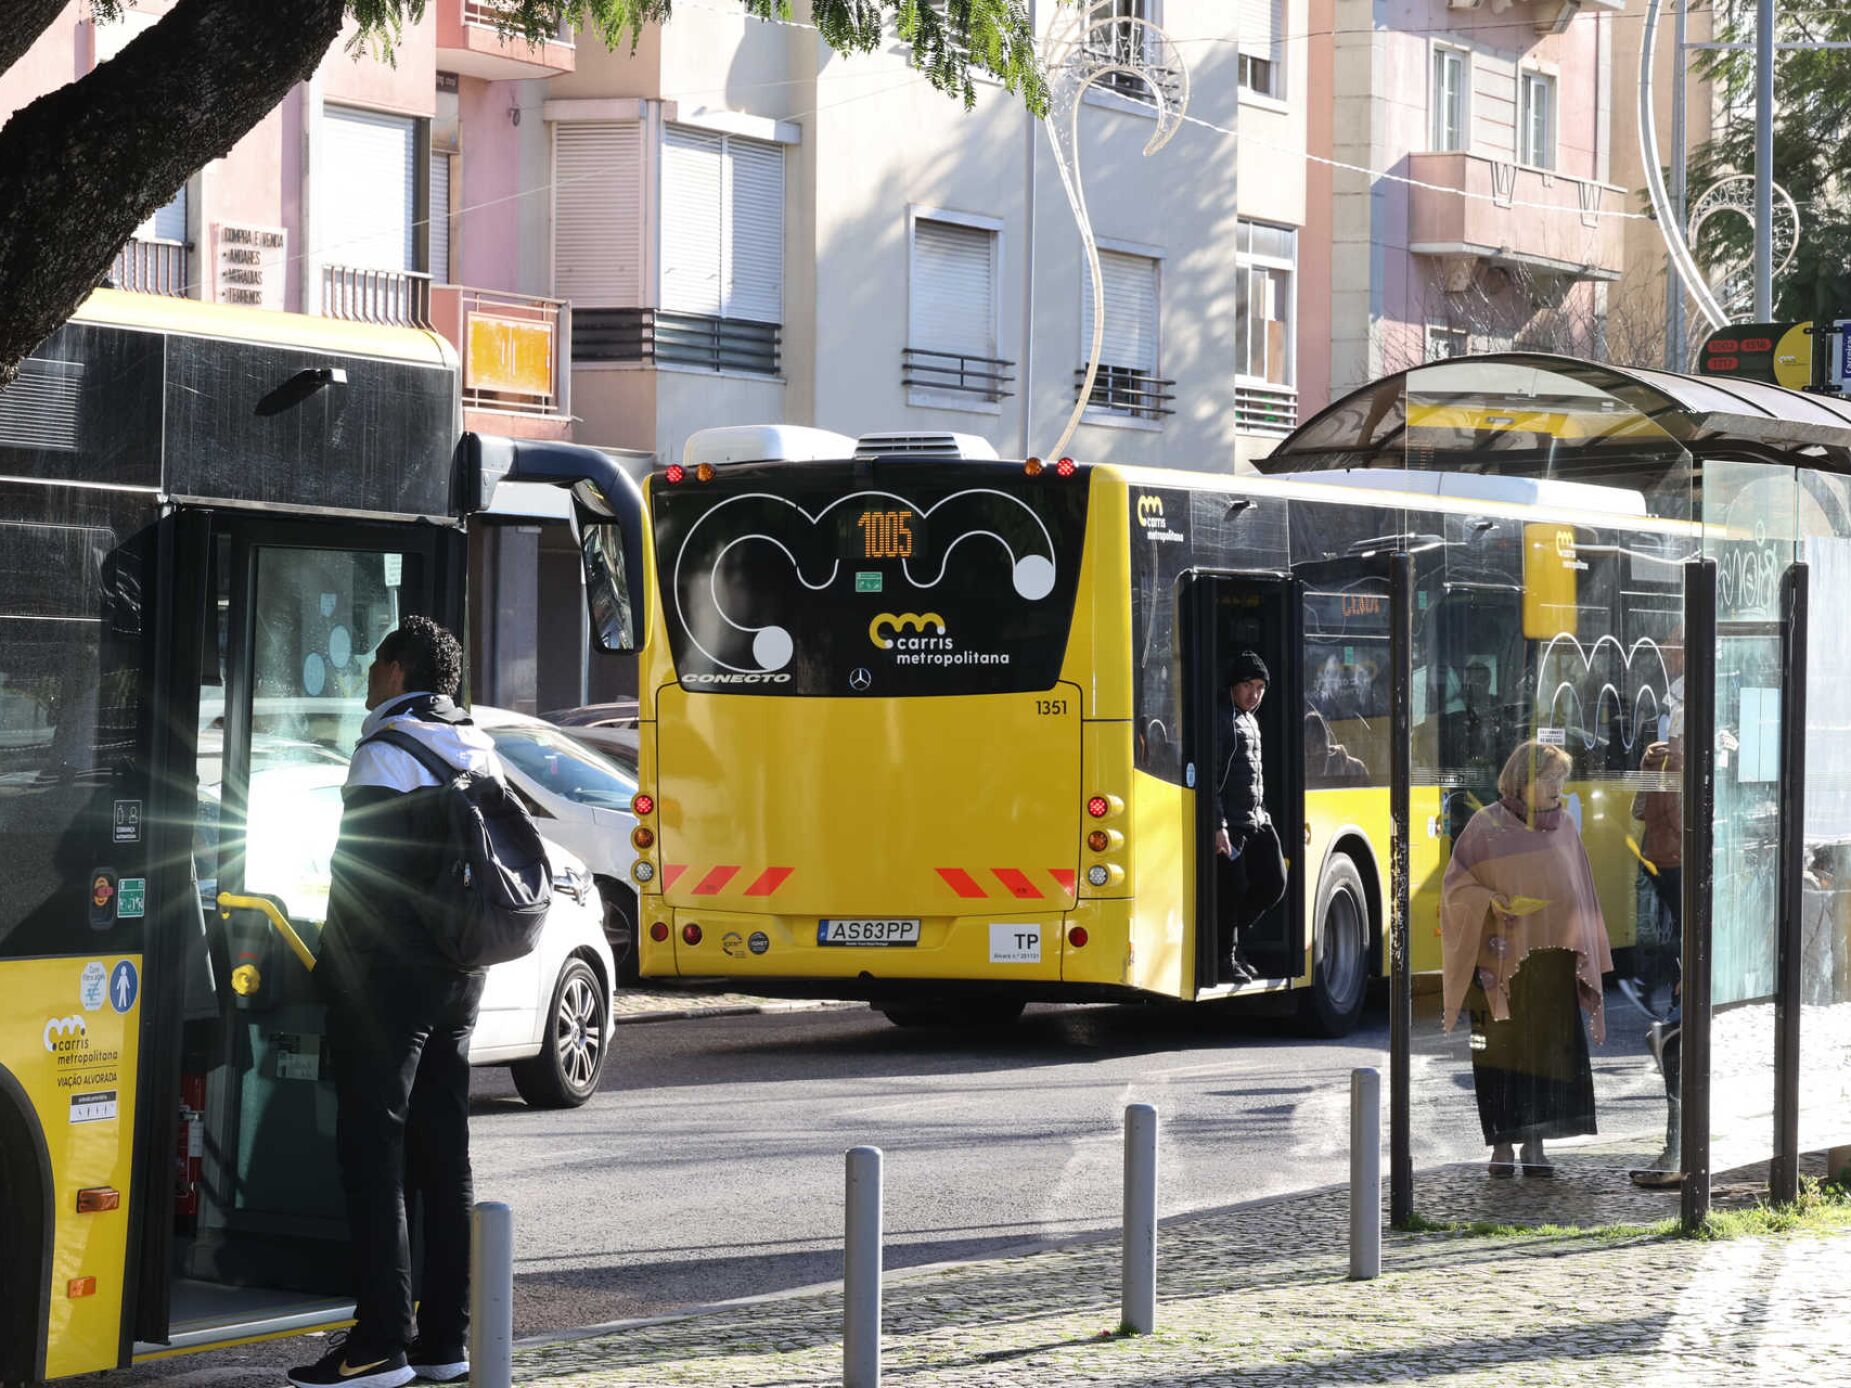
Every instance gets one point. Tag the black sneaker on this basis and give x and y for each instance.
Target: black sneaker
(334, 1367)
(437, 1363)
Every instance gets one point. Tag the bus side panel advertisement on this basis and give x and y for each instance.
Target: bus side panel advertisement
(75, 1056)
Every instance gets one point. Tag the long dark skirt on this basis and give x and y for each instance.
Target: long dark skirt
(1532, 1073)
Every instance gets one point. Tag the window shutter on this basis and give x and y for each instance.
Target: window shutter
(693, 188)
(755, 231)
(1259, 27)
(440, 216)
(1130, 311)
(953, 303)
(597, 213)
(368, 190)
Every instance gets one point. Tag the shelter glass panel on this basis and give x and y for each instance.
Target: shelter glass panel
(1548, 510)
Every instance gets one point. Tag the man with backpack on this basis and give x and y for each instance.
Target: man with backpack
(399, 969)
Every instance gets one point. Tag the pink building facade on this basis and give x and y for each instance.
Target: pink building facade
(1494, 229)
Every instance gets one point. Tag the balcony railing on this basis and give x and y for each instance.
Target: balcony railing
(487, 14)
(513, 348)
(675, 339)
(1265, 409)
(151, 267)
(1124, 390)
(986, 378)
(376, 296)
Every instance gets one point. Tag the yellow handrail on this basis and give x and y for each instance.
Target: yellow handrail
(229, 901)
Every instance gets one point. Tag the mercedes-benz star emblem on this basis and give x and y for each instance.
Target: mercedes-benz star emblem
(859, 678)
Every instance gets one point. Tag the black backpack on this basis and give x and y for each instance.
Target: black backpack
(489, 905)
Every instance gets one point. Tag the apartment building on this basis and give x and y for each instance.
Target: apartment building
(1495, 224)
(732, 223)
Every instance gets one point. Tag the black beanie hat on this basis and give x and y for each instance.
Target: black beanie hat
(1247, 666)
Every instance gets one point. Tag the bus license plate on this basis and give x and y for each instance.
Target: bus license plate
(867, 932)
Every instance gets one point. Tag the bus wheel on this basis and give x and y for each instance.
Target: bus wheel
(1340, 955)
(572, 1052)
(984, 1012)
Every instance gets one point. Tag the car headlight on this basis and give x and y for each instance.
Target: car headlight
(574, 884)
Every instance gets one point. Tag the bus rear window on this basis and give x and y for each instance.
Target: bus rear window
(852, 579)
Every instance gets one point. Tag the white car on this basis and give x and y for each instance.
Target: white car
(579, 796)
(546, 1017)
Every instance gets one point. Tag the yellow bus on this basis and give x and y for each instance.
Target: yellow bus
(208, 518)
(931, 729)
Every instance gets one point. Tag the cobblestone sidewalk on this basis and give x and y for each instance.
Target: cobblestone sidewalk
(1257, 1296)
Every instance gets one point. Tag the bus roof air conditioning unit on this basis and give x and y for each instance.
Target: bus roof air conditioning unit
(903, 445)
(764, 443)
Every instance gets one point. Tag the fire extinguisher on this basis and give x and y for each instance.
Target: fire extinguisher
(190, 1151)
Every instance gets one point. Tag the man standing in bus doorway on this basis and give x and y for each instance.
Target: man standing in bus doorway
(1252, 863)
(399, 1020)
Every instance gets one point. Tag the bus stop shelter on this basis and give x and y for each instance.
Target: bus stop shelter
(1677, 585)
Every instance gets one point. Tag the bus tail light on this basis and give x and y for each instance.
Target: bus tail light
(1098, 875)
(642, 804)
(1032, 467)
(1099, 840)
(642, 836)
(1098, 807)
(675, 472)
(659, 931)
(691, 933)
(1077, 937)
(1064, 468)
(704, 473)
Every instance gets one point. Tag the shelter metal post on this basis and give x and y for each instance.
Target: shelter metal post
(1699, 809)
(1784, 1171)
(1401, 980)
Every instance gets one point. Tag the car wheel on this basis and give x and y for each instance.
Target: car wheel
(1333, 1004)
(572, 1051)
(980, 1012)
(620, 930)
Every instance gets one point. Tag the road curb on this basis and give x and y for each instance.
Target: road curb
(739, 1009)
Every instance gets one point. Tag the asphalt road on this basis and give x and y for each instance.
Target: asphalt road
(710, 1166)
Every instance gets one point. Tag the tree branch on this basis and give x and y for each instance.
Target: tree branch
(26, 20)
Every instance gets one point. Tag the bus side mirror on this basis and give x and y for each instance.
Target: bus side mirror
(607, 588)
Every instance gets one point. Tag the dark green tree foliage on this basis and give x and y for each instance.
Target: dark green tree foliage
(82, 166)
(1812, 151)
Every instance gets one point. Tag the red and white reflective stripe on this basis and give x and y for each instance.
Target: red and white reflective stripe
(671, 871)
(1065, 877)
(1015, 882)
(716, 879)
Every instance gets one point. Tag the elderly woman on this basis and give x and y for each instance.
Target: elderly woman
(1525, 946)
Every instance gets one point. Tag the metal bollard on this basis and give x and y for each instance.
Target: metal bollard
(491, 1296)
(1138, 1305)
(1365, 1174)
(861, 1271)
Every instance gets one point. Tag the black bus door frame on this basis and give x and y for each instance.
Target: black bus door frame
(1202, 657)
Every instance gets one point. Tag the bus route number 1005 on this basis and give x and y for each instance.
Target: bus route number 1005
(886, 534)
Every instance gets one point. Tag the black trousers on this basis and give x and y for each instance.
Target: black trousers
(1251, 882)
(399, 1043)
(1531, 1073)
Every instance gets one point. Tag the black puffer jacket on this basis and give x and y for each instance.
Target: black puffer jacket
(1240, 781)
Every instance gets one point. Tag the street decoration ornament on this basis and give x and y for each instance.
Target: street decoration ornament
(1736, 194)
(1088, 44)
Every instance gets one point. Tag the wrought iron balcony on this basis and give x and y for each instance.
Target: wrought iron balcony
(676, 339)
(376, 296)
(151, 267)
(986, 378)
(1124, 390)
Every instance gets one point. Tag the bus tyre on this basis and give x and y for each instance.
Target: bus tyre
(1333, 1004)
(572, 1049)
(983, 1012)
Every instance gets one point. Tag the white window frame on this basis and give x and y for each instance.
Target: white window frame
(1548, 80)
(1277, 98)
(1435, 330)
(1132, 104)
(1246, 261)
(1438, 49)
(1094, 414)
(924, 396)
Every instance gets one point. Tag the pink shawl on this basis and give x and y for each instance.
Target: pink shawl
(1513, 886)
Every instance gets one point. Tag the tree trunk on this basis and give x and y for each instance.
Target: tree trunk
(83, 166)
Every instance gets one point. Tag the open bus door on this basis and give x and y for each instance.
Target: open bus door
(242, 1228)
(1224, 613)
